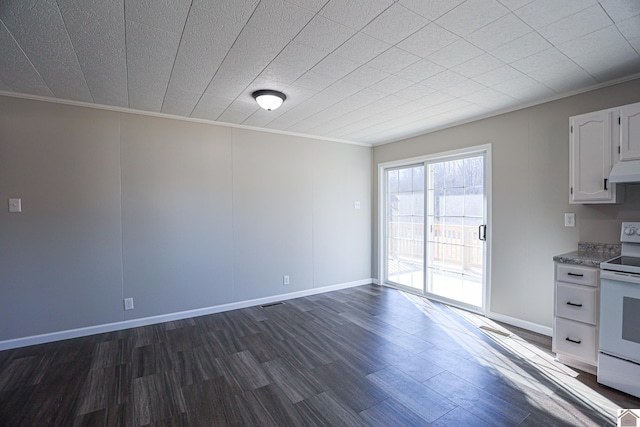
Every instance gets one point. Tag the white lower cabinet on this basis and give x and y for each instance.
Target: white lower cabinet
(575, 325)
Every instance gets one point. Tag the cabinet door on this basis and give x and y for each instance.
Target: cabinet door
(591, 151)
(630, 132)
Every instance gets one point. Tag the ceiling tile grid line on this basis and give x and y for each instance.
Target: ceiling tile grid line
(363, 70)
(173, 66)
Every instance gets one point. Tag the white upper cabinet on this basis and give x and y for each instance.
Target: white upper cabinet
(630, 132)
(593, 147)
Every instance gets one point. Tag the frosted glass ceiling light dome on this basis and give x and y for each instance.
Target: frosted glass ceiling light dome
(269, 99)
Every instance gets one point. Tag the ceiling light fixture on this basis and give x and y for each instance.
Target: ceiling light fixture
(269, 99)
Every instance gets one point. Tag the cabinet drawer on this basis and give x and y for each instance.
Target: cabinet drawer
(577, 302)
(575, 339)
(577, 274)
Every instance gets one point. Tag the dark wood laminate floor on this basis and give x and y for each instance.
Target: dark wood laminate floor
(363, 356)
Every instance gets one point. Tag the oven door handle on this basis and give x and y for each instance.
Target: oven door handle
(620, 277)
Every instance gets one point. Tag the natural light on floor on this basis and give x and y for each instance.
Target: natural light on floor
(554, 374)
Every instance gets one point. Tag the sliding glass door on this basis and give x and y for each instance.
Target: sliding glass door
(405, 226)
(435, 218)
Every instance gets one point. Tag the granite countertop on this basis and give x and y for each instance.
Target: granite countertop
(589, 254)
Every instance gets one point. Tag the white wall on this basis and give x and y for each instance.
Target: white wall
(530, 190)
(178, 215)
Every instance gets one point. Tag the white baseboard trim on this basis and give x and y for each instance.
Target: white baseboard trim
(530, 326)
(126, 324)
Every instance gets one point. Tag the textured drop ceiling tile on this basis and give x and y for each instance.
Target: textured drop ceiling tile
(464, 88)
(362, 48)
(492, 99)
(301, 56)
(238, 111)
(435, 98)
(515, 4)
(420, 71)
(335, 66)
(277, 72)
(16, 72)
(96, 29)
(611, 63)
(313, 80)
(541, 13)
(428, 40)
(210, 107)
(323, 34)
(414, 92)
(168, 15)
(564, 77)
(365, 76)
(249, 56)
(455, 54)
(280, 18)
(179, 102)
(393, 60)
(524, 88)
(432, 9)
(444, 79)
(499, 32)
(206, 40)
(392, 84)
(521, 47)
(4, 87)
(312, 5)
(498, 75)
(471, 16)
(630, 28)
(354, 13)
(324, 99)
(620, 10)
(40, 31)
(544, 59)
(584, 22)
(395, 24)
(635, 43)
(478, 65)
(150, 57)
(352, 103)
(383, 104)
(598, 41)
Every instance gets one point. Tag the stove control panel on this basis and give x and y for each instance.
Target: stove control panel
(630, 232)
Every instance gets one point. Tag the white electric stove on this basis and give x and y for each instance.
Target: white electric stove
(619, 358)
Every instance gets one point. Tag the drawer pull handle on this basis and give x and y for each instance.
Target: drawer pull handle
(575, 274)
(573, 304)
(573, 341)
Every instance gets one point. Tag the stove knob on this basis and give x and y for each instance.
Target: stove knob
(629, 231)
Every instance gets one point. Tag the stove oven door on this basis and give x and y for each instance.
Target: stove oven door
(619, 358)
(620, 315)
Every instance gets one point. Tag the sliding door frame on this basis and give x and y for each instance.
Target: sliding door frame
(484, 150)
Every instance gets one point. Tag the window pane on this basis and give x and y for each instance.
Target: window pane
(454, 173)
(405, 180)
(473, 202)
(392, 180)
(418, 178)
(473, 172)
(454, 202)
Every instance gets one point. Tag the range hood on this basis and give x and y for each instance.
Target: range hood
(626, 171)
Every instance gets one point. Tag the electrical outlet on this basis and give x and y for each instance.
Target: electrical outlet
(285, 280)
(128, 303)
(569, 220)
(15, 205)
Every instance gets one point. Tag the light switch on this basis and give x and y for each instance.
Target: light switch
(356, 204)
(15, 205)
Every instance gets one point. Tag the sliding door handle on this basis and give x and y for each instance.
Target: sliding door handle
(482, 232)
